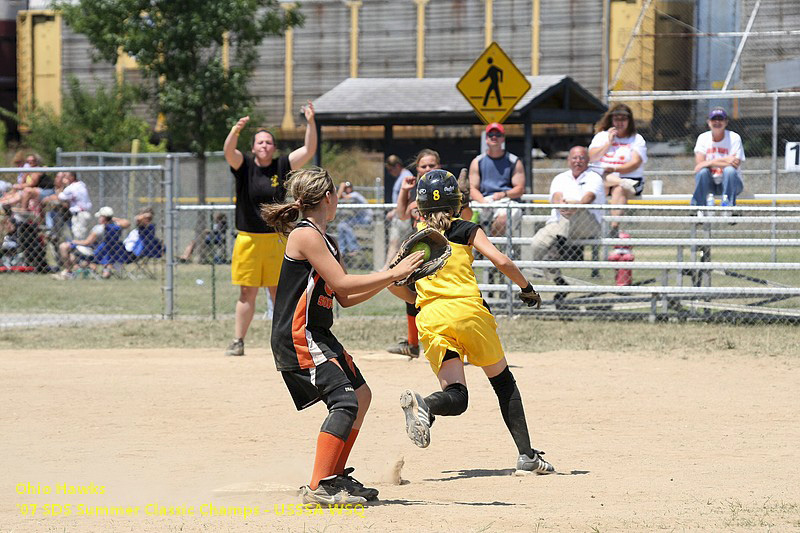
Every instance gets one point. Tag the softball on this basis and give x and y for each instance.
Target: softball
(424, 248)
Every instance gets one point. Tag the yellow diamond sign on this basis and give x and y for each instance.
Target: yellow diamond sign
(493, 85)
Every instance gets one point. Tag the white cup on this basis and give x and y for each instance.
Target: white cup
(658, 186)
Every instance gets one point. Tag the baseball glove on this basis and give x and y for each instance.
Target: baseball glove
(530, 297)
(425, 239)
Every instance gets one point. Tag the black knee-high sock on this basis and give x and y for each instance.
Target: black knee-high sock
(452, 401)
(510, 400)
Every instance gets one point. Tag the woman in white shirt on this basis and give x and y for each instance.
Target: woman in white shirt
(618, 154)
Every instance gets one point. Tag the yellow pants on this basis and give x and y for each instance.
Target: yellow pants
(461, 325)
(257, 259)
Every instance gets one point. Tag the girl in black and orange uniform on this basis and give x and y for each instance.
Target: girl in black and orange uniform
(455, 324)
(313, 363)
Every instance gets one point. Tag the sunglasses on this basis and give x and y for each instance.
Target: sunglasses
(494, 135)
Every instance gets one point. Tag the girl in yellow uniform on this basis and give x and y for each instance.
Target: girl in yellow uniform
(455, 325)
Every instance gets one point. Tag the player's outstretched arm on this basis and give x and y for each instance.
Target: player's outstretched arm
(308, 243)
(505, 265)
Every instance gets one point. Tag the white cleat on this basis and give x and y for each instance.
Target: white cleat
(418, 425)
(536, 465)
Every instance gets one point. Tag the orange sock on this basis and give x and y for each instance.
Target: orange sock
(329, 447)
(413, 335)
(348, 445)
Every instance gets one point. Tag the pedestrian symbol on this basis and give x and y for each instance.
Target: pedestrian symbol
(496, 76)
(493, 85)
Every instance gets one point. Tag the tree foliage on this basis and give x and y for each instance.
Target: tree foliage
(177, 45)
(102, 120)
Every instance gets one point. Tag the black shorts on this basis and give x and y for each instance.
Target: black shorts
(310, 385)
(639, 187)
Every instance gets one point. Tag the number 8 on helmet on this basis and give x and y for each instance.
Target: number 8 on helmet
(438, 191)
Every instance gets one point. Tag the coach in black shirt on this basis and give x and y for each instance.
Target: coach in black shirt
(258, 251)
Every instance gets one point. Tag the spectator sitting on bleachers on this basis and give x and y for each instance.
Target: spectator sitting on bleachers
(348, 243)
(103, 246)
(718, 154)
(142, 240)
(214, 243)
(619, 154)
(9, 248)
(578, 185)
(75, 197)
(28, 180)
(497, 177)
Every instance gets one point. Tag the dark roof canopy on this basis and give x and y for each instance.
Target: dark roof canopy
(436, 101)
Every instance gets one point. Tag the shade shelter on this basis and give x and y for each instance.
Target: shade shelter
(552, 99)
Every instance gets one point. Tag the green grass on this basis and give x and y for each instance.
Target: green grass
(521, 334)
(37, 293)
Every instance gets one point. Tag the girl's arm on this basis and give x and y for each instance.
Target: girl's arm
(505, 265)
(307, 243)
(403, 209)
(404, 293)
(122, 222)
(354, 299)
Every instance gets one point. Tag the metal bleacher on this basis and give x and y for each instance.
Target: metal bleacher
(691, 263)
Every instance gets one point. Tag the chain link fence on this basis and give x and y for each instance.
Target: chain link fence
(675, 50)
(670, 261)
(81, 241)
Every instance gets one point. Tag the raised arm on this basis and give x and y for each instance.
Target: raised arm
(599, 150)
(403, 209)
(303, 155)
(233, 156)
(121, 222)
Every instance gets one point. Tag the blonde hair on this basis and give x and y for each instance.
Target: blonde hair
(440, 220)
(426, 152)
(307, 187)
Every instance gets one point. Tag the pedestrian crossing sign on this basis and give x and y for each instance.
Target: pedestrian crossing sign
(493, 85)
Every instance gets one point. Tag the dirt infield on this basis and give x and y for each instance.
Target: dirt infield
(642, 442)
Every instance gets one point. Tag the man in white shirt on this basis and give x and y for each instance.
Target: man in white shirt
(718, 155)
(578, 185)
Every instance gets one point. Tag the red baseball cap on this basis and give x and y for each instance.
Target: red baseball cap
(495, 126)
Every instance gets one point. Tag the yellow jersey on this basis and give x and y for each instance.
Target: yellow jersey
(456, 279)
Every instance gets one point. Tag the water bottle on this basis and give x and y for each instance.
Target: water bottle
(725, 202)
(709, 203)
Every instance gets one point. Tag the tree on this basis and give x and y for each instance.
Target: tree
(102, 120)
(177, 45)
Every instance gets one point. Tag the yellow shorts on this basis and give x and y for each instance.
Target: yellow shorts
(257, 259)
(462, 325)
